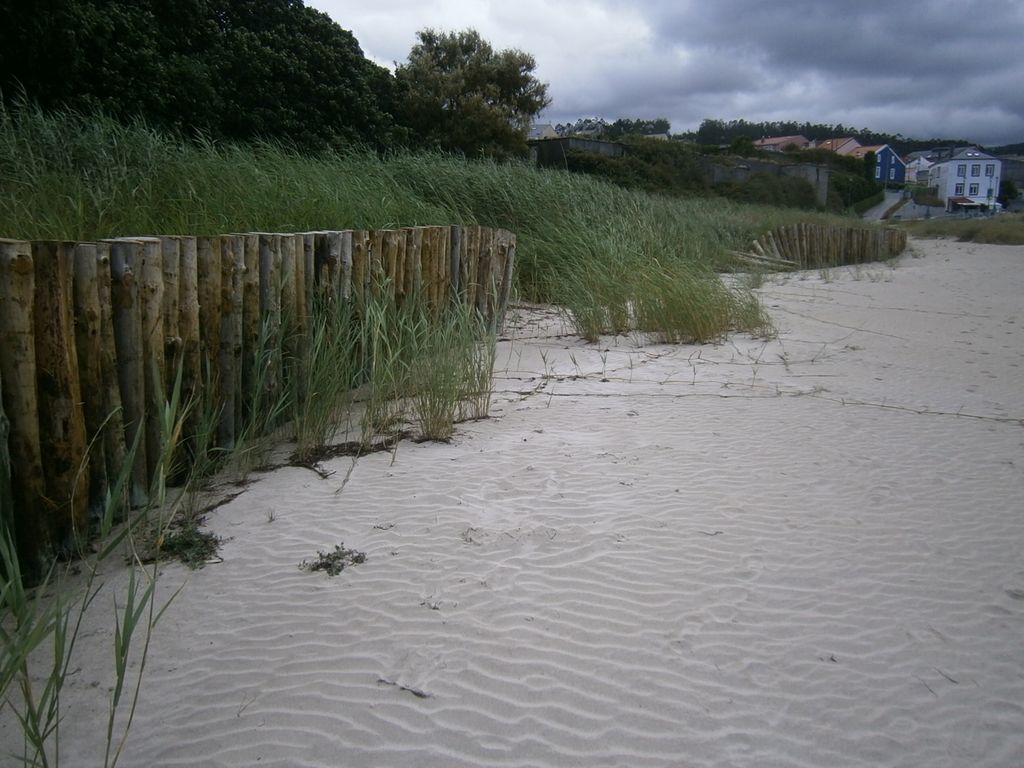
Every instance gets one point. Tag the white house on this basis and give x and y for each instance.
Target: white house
(967, 178)
(917, 169)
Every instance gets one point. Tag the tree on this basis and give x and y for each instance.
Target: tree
(870, 166)
(457, 93)
(235, 69)
(1008, 192)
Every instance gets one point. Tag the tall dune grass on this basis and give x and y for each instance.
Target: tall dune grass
(582, 242)
(1005, 229)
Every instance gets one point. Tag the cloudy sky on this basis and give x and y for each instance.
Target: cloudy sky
(923, 68)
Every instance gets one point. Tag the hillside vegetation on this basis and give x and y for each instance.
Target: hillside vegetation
(583, 243)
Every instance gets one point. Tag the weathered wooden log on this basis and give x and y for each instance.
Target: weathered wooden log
(485, 290)
(6, 489)
(377, 277)
(426, 277)
(88, 346)
(444, 266)
(343, 240)
(125, 271)
(154, 340)
(63, 443)
(270, 310)
(360, 265)
(20, 403)
(208, 263)
(455, 262)
(507, 278)
(114, 448)
(230, 359)
(389, 262)
(309, 274)
(289, 258)
(171, 260)
(412, 274)
(471, 265)
(400, 238)
(250, 330)
(191, 346)
(299, 271)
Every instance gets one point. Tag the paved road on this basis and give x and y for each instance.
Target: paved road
(892, 196)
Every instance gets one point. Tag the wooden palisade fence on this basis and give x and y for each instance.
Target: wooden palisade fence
(811, 246)
(93, 335)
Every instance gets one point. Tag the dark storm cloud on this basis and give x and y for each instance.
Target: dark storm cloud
(923, 68)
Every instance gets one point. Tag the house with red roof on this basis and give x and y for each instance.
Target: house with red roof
(843, 146)
(780, 143)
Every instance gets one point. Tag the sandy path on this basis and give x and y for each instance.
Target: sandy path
(806, 551)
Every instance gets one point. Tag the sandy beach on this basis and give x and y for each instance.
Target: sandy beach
(805, 550)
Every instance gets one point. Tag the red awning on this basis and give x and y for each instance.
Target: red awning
(964, 201)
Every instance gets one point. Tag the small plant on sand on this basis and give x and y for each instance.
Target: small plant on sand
(333, 562)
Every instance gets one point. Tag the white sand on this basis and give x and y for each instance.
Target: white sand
(807, 551)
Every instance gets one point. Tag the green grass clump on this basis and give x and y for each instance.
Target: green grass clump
(1005, 229)
(84, 177)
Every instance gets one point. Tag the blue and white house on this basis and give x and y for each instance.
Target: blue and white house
(966, 178)
(889, 166)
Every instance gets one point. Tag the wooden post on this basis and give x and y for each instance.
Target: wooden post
(251, 321)
(208, 263)
(389, 261)
(270, 308)
(401, 240)
(485, 273)
(412, 276)
(21, 405)
(427, 266)
(191, 340)
(88, 346)
(444, 266)
(507, 278)
(343, 241)
(376, 275)
(6, 489)
(360, 264)
(63, 442)
(471, 265)
(455, 261)
(125, 271)
(309, 274)
(114, 449)
(151, 298)
(230, 354)
(171, 260)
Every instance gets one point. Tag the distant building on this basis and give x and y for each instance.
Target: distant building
(552, 153)
(542, 131)
(889, 166)
(917, 168)
(843, 146)
(966, 178)
(780, 143)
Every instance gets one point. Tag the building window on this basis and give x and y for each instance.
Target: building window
(958, 190)
(878, 172)
(892, 174)
(990, 169)
(975, 169)
(973, 191)
(961, 170)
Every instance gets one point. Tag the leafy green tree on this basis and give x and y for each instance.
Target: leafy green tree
(236, 69)
(870, 165)
(1007, 191)
(457, 93)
